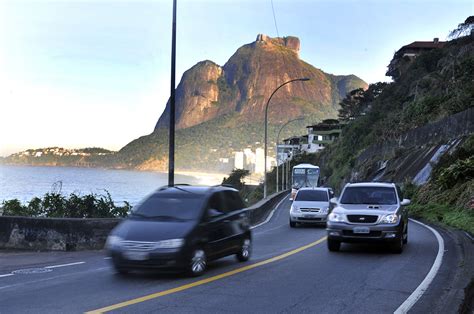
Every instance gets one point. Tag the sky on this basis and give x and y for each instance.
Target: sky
(96, 73)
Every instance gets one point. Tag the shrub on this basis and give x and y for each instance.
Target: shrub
(76, 206)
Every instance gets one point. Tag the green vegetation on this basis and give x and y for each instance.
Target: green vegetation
(449, 195)
(59, 206)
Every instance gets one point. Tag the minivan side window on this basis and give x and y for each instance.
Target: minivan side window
(215, 205)
(232, 201)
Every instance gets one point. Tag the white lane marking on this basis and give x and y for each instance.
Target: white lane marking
(108, 257)
(421, 289)
(6, 275)
(469, 236)
(64, 265)
(51, 278)
(269, 216)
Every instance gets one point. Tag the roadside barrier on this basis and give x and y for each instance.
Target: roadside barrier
(71, 234)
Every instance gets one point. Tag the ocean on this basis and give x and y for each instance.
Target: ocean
(25, 182)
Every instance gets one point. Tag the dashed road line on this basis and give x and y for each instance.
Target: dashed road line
(65, 265)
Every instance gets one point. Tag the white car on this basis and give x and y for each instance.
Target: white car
(310, 205)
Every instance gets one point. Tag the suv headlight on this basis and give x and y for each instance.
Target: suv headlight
(113, 242)
(390, 219)
(169, 244)
(336, 217)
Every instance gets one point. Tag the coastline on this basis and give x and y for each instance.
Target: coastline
(205, 178)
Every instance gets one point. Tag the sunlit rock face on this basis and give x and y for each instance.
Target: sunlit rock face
(244, 84)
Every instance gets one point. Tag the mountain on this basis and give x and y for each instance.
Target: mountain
(244, 84)
(220, 109)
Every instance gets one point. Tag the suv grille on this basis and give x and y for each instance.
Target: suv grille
(138, 246)
(362, 219)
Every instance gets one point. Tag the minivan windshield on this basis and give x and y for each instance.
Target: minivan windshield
(170, 206)
(369, 195)
(312, 195)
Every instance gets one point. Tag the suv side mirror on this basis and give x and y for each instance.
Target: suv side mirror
(334, 200)
(405, 202)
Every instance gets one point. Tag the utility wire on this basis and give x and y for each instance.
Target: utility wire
(274, 19)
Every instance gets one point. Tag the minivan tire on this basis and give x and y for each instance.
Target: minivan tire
(292, 224)
(334, 245)
(197, 263)
(245, 250)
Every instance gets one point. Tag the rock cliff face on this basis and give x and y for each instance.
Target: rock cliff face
(244, 84)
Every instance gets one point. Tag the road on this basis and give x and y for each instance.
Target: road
(291, 271)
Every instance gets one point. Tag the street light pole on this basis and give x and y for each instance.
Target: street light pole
(266, 122)
(278, 139)
(172, 100)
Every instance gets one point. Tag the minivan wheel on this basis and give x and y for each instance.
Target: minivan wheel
(334, 245)
(198, 263)
(292, 224)
(397, 246)
(245, 250)
(121, 270)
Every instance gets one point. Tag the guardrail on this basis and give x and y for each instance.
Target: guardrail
(70, 234)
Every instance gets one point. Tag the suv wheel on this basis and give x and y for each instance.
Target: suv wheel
(245, 250)
(198, 263)
(397, 246)
(405, 236)
(333, 245)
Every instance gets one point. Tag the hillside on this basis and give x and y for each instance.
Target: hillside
(418, 132)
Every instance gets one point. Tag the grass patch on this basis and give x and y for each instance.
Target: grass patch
(442, 214)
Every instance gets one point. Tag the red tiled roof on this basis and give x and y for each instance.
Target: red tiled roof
(425, 45)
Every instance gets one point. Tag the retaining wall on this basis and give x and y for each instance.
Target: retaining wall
(69, 234)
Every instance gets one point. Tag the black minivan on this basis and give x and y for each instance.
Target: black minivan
(182, 228)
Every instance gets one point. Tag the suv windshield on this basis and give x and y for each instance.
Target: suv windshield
(369, 195)
(171, 206)
(312, 195)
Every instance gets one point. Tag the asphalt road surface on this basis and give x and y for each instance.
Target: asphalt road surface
(291, 271)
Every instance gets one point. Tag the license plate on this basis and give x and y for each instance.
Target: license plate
(361, 230)
(135, 256)
(309, 216)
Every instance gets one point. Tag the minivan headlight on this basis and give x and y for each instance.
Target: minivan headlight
(113, 241)
(169, 244)
(336, 217)
(294, 208)
(390, 219)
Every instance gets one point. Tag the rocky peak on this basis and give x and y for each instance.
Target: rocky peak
(290, 42)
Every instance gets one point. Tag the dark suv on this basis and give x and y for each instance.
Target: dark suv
(182, 228)
(369, 212)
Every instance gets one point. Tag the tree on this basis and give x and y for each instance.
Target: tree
(463, 29)
(358, 101)
(350, 105)
(236, 178)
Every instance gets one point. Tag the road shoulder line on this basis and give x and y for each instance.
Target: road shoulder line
(269, 216)
(421, 289)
